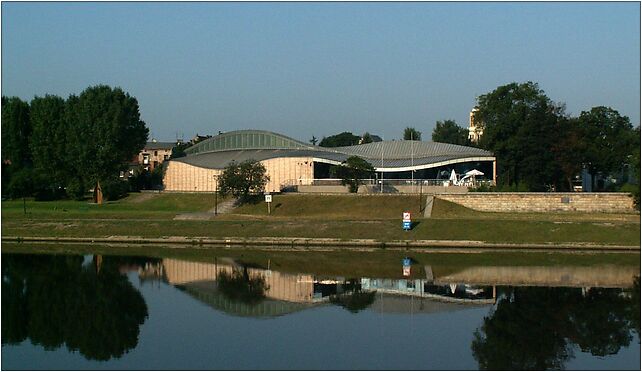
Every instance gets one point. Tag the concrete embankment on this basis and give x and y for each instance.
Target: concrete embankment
(327, 243)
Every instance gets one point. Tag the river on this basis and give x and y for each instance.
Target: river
(238, 311)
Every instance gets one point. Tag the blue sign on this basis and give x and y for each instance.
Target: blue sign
(406, 261)
(407, 225)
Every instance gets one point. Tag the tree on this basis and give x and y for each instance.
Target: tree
(16, 157)
(609, 140)
(520, 127)
(16, 132)
(49, 143)
(314, 141)
(243, 179)
(105, 133)
(448, 131)
(568, 150)
(366, 138)
(411, 134)
(178, 151)
(352, 171)
(341, 139)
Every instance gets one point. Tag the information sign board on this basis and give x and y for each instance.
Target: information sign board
(268, 198)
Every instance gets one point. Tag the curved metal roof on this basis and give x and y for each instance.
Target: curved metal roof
(246, 139)
(238, 146)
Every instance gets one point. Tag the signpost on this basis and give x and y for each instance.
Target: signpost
(407, 221)
(268, 200)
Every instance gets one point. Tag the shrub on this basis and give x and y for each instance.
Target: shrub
(114, 188)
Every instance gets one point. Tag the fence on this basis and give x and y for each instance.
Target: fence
(397, 182)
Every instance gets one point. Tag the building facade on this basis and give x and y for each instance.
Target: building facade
(475, 130)
(294, 163)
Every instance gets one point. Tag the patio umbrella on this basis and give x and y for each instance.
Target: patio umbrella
(453, 176)
(474, 172)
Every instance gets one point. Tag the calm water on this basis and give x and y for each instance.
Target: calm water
(113, 312)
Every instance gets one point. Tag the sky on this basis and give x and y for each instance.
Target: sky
(304, 69)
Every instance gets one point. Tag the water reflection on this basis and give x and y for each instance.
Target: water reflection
(87, 305)
(538, 317)
(536, 328)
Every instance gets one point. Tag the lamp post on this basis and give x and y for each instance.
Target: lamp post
(215, 195)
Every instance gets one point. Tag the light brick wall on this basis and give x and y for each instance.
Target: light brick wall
(282, 172)
(543, 202)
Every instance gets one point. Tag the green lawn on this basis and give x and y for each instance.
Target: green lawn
(136, 205)
(311, 216)
(355, 207)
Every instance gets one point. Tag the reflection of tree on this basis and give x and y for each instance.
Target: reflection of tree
(535, 328)
(353, 300)
(239, 286)
(55, 300)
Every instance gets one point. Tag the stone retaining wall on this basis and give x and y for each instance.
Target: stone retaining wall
(543, 202)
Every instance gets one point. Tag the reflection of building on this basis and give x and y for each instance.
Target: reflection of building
(286, 293)
(475, 129)
(280, 286)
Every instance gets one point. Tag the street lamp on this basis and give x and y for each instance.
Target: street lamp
(215, 195)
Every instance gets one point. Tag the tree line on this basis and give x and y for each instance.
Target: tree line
(54, 147)
(538, 146)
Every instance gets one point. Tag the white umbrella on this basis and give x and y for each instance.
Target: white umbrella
(453, 176)
(474, 172)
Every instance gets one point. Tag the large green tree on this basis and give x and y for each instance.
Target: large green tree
(341, 139)
(243, 179)
(609, 140)
(16, 132)
(49, 145)
(105, 132)
(448, 131)
(520, 127)
(411, 134)
(17, 174)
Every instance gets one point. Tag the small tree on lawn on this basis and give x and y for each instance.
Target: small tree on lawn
(243, 179)
(352, 171)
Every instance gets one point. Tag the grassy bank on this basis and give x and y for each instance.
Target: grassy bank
(312, 216)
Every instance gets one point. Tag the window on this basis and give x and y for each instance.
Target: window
(155, 153)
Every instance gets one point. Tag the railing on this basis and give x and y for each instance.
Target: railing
(397, 182)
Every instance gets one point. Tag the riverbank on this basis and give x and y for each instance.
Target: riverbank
(307, 221)
(327, 244)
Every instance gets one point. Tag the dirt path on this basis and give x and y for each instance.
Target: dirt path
(222, 208)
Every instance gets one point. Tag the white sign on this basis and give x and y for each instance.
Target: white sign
(406, 216)
(268, 198)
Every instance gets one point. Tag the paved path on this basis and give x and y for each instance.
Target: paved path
(428, 208)
(224, 207)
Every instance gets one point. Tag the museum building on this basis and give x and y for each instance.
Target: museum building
(290, 162)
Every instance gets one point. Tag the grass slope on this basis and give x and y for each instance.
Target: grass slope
(338, 206)
(312, 216)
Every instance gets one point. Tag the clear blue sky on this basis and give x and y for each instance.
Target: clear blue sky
(306, 69)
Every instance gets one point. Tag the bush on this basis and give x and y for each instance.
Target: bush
(21, 183)
(76, 188)
(114, 188)
(634, 190)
